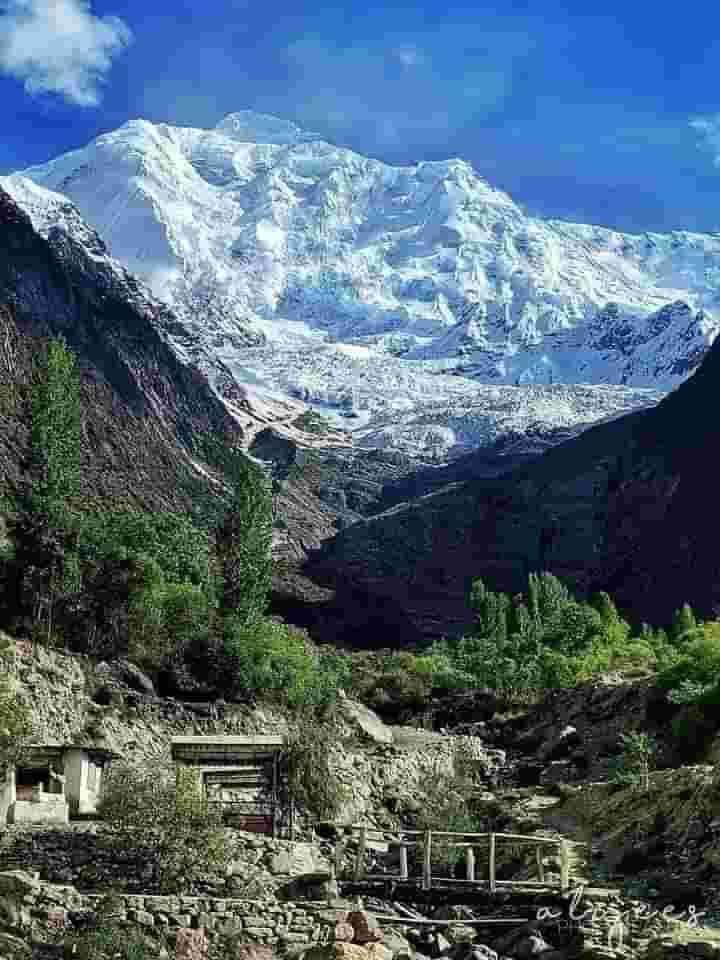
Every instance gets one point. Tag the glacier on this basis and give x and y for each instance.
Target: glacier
(414, 306)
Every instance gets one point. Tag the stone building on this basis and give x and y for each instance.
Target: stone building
(244, 775)
(53, 783)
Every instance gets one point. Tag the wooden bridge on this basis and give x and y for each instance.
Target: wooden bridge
(479, 850)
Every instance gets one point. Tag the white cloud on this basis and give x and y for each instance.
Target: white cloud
(709, 130)
(60, 47)
(409, 56)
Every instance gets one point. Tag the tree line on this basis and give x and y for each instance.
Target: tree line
(116, 581)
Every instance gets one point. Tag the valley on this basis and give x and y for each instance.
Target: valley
(359, 462)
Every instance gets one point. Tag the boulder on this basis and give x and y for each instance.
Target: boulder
(366, 927)
(344, 932)
(337, 951)
(560, 743)
(191, 944)
(481, 952)
(13, 948)
(528, 947)
(249, 951)
(378, 951)
(505, 943)
(299, 859)
(400, 947)
(321, 885)
(366, 721)
(127, 673)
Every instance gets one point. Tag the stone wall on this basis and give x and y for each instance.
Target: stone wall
(30, 909)
(266, 921)
(76, 855)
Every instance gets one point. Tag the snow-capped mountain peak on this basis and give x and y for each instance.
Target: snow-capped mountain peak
(392, 293)
(246, 126)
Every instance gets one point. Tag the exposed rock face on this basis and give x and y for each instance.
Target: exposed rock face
(628, 507)
(142, 406)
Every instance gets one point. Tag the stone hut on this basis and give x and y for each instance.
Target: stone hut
(244, 775)
(52, 783)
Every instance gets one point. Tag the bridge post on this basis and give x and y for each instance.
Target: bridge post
(404, 873)
(540, 864)
(360, 859)
(564, 865)
(491, 865)
(470, 864)
(427, 860)
(339, 857)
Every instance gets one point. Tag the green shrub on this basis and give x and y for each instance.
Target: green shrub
(108, 942)
(312, 777)
(693, 675)
(275, 660)
(633, 767)
(166, 817)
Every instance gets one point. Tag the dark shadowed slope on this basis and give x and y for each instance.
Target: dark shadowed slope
(630, 506)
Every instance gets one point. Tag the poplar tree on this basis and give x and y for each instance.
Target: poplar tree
(45, 564)
(54, 455)
(243, 539)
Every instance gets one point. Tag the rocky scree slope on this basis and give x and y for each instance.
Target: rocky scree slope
(626, 507)
(389, 297)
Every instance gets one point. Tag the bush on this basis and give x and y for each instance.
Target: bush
(694, 676)
(108, 942)
(637, 760)
(167, 820)
(270, 658)
(447, 806)
(312, 779)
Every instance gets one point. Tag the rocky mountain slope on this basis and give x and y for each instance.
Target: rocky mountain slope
(144, 409)
(418, 306)
(142, 405)
(628, 507)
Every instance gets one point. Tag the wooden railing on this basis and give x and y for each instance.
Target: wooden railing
(469, 842)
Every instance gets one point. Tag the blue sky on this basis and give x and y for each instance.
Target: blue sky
(610, 116)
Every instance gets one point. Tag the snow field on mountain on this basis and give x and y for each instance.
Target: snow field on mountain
(396, 300)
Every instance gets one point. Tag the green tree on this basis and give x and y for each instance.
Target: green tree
(55, 433)
(684, 624)
(312, 779)
(167, 818)
(44, 568)
(639, 751)
(243, 540)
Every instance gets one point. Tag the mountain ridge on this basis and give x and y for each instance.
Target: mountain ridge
(377, 293)
(626, 507)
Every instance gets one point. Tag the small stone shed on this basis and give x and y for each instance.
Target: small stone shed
(244, 775)
(52, 783)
